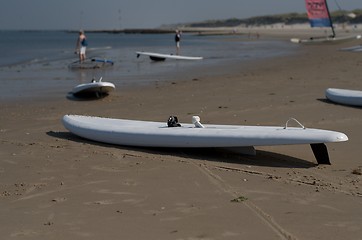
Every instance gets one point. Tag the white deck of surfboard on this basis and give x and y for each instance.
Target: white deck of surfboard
(94, 87)
(357, 48)
(158, 134)
(344, 96)
(169, 56)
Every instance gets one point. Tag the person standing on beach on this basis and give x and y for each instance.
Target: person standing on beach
(81, 46)
(177, 40)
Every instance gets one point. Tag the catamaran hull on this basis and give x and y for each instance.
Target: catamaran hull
(319, 40)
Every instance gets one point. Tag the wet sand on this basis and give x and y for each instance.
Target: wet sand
(54, 185)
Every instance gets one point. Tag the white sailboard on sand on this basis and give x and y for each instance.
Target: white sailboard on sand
(356, 48)
(345, 96)
(94, 88)
(175, 135)
(163, 57)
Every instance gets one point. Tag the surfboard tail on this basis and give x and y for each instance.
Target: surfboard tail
(320, 152)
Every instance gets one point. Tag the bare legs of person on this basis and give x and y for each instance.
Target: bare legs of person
(82, 54)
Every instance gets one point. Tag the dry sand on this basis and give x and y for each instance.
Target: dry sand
(54, 185)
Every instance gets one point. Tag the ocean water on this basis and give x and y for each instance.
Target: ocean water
(34, 63)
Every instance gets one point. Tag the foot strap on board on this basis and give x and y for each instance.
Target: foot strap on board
(321, 153)
(173, 122)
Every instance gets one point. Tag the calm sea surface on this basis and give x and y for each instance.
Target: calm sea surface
(36, 62)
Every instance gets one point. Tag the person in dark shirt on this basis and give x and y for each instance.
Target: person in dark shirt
(177, 40)
(81, 46)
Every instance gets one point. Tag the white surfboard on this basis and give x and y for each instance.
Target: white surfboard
(344, 96)
(163, 57)
(93, 88)
(92, 63)
(357, 48)
(197, 135)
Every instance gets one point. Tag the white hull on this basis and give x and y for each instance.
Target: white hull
(240, 139)
(357, 48)
(344, 96)
(324, 39)
(94, 87)
(161, 57)
(157, 134)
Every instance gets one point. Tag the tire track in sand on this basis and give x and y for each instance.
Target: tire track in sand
(264, 216)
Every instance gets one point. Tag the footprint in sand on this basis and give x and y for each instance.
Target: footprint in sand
(24, 233)
(100, 202)
(107, 169)
(130, 182)
(107, 191)
(60, 199)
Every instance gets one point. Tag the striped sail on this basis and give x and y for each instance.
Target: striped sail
(318, 13)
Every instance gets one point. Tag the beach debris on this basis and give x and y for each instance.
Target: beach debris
(60, 199)
(357, 171)
(239, 199)
(5, 194)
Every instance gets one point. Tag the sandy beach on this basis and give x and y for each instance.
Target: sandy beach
(55, 185)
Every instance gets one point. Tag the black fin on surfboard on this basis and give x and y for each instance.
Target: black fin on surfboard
(153, 58)
(321, 153)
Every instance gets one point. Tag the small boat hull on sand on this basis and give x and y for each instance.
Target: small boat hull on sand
(319, 40)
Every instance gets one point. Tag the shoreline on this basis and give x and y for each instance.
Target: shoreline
(36, 77)
(56, 185)
(273, 29)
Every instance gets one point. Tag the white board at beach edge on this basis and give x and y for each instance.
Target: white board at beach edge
(93, 87)
(161, 56)
(344, 96)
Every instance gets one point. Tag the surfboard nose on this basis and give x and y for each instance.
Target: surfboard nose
(342, 137)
